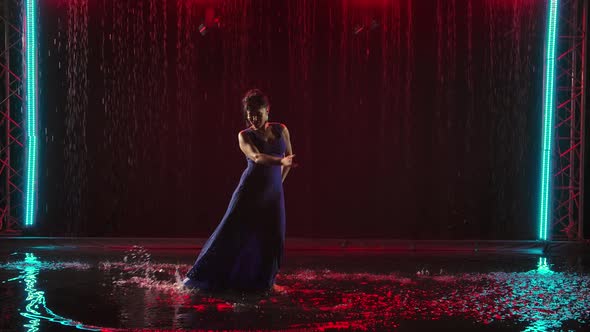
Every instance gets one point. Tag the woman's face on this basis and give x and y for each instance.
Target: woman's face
(258, 118)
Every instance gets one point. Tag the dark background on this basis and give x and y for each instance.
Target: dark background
(409, 119)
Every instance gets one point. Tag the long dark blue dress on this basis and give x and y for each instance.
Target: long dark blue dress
(246, 249)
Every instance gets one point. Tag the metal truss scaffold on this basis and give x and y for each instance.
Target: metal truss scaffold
(12, 134)
(568, 157)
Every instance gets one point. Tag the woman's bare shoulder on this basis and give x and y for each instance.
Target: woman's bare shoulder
(278, 124)
(243, 132)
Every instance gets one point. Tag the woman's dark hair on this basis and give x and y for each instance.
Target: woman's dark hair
(253, 100)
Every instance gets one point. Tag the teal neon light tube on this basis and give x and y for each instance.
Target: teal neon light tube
(548, 115)
(31, 107)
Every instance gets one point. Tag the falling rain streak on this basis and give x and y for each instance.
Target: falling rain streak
(76, 113)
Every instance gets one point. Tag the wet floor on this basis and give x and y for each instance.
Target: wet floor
(46, 288)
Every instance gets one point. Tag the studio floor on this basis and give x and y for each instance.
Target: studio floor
(55, 284)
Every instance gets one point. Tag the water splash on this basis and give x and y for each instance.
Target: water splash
(137, 270)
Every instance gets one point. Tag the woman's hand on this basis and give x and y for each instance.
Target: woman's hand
(287, 161)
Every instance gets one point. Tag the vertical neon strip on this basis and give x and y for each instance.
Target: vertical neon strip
(548, 110)
(31, 106)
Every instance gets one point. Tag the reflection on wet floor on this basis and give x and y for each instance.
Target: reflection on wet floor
(45, 289)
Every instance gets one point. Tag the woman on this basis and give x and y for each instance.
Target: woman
(246, 249)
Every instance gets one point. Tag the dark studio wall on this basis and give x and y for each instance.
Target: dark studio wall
(409, 119)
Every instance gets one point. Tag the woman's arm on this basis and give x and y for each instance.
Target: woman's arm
(250, 150)
(288, 152)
